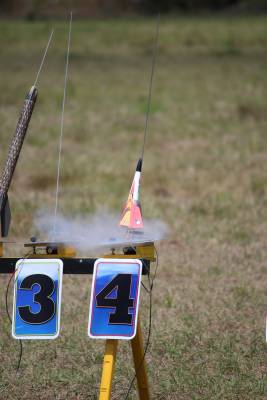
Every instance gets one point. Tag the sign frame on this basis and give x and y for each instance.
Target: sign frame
(115, 261)
(40, 264)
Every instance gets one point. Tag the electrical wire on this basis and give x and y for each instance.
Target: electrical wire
(8, 313)
(144, 286)
(156, 268)
(150, 291)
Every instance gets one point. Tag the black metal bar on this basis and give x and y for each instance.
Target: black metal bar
(76, 266)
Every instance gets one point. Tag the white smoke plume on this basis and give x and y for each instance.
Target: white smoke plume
(95, 231)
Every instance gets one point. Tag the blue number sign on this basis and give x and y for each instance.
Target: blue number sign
(37, 299)
(115, 298)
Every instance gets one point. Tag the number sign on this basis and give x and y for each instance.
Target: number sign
(114, 298)
(37, 299)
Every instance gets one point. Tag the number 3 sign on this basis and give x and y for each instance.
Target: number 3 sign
(115, 298)
(37, 299)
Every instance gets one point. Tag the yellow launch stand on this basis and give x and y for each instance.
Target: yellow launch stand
(111, 347)
(67, 254)
(139, 364)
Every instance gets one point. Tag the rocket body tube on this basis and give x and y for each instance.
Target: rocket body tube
(17, 141)
(13, 156)
(132, 213)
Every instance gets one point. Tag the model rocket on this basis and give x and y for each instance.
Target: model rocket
(13, 155)
(132, 212)
(131, 216)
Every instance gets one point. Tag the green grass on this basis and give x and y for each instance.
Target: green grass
(204, 174)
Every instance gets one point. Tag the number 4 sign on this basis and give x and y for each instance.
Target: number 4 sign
(114, 298)
(37, 299)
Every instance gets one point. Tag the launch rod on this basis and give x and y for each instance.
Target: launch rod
(154, 59)
(62, 124)
(132, 213)
(44, 57)
(15, 148)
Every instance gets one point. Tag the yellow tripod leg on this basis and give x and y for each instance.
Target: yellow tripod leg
(108, 369)
(139, 364)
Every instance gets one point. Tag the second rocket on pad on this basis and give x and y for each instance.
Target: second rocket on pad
(132, 213)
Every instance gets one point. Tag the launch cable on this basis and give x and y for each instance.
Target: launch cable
(150, 291)
(8, 313)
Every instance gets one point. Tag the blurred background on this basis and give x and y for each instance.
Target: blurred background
(204, 175)
(32, 9)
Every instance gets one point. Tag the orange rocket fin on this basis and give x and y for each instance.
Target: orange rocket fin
(132, 216)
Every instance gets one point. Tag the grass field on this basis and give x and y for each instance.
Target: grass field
(204, 174)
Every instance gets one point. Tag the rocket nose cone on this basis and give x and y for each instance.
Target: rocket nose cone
(32, 95)
(139, 165)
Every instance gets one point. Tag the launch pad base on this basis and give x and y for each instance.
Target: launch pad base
(73, 265)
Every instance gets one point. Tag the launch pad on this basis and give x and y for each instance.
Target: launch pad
(76, 266)
(114, 306)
